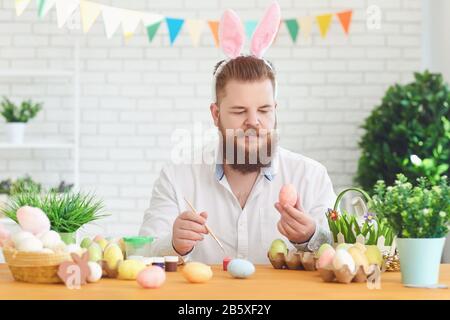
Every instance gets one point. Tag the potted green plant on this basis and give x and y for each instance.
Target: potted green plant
(67, 212)
(419, 215)
(408, 132)
(17, 116)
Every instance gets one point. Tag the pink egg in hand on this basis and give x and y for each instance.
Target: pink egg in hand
(33, 220)
(151, 277)
(326, 258)
(288, 195)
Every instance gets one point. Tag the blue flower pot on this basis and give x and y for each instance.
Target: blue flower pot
(420, 260)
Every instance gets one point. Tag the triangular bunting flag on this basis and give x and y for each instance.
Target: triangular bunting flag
(250, 27)
(324, 22)
(194, 28)
(89, 12)
(345, 18)
(64, 9)
(130, 21)
(305, 25)
(174, 26)
(21, 5)
(292, 26)
(278, 33)
(214, 26)
(111, 19)
(152, 29)
(44, 7)
(151, 22)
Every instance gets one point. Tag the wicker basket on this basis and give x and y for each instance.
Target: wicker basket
(34, 267)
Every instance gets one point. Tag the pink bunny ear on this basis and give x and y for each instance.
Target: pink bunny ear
(231, 34)
(266, 31)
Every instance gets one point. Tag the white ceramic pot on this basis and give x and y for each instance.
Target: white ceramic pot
(15, 132)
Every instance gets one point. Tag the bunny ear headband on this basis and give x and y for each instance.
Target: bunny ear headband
(232, 37)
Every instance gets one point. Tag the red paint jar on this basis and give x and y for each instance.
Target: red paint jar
(226, 261)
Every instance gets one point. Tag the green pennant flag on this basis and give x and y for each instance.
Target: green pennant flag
(152, 29)
(292, 25)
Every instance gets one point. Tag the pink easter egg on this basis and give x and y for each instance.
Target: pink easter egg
(33, 220)
(151, 277)
(326, 258)
(288, 195)
(98, 238)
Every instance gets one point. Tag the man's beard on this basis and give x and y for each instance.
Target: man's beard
(243, 158)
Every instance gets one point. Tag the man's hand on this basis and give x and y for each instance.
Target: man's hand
(295, 224)
(188, 229)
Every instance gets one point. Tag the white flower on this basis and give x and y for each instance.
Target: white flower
(415, 160)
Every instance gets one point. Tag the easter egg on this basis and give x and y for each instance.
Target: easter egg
(95, 272)
(19, 236)
(326, 258)
(129, 269)
(359, 257)
(197, 272)
(323, 248)
(33, 220)
(30, 245)
(374, 255)
(240, 268)
(288, 195)
(343, 258)
(151, 277)
(50, 239)
(112, 255)
(85, 243)
(95, 252)
(343, 246)
(277, 246)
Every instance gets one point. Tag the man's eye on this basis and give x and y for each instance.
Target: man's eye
(239, 112)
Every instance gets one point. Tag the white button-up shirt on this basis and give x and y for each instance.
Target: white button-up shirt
(244, 232)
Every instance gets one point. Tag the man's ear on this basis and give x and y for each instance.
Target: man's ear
(214, 108)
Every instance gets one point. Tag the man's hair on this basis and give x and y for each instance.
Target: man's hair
(243, 68)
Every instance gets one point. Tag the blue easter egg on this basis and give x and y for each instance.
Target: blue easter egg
(240, 268)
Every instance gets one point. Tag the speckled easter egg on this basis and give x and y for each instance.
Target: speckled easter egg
(151, 277)
(240, 268)
(33, 220)
(288, 195)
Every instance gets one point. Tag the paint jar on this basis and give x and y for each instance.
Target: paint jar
(137, 246)
(226, 261)
(158, 261)
(171, 263)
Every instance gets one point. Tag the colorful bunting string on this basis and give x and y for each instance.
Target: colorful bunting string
(130, 20)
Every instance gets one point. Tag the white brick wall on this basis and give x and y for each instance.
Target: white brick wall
(135, 93)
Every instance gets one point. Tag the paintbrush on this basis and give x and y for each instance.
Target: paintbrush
(207, 228)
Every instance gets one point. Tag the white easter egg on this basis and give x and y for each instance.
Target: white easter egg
(30, 245)
(21, 235)
(95, 272)
(342, 258)
(50, 239)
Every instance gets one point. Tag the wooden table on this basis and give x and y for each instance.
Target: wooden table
(266, 283)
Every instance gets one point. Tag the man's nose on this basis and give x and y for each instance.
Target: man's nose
(252, 119)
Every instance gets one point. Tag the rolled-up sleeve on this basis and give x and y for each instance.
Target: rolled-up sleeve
(160, 216)
(324, 199)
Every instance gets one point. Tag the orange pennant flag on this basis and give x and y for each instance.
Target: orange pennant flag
(324, 22)
(345, 17)
(214, 26)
